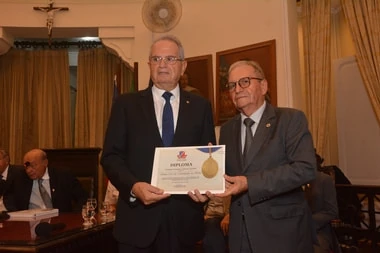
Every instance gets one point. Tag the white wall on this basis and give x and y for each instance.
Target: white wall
(358, 129)
(206, 26)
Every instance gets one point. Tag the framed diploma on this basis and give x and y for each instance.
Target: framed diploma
(178, 170)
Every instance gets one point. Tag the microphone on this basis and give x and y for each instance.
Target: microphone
(45, 229)
(4, 216)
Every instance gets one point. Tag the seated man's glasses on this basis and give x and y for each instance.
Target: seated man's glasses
(28, 164)
(243, 83)
(167, 59)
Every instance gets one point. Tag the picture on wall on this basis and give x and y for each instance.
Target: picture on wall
(264, 53)
(198, 77)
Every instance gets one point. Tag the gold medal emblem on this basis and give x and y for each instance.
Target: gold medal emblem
(209, 167)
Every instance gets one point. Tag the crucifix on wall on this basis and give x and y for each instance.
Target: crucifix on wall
(50, 10)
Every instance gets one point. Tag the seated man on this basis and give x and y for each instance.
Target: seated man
(217, 219)
(321, 196)
(40, 186)
(349, 204)
(8, 173)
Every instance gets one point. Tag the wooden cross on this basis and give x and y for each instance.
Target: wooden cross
(50, 10)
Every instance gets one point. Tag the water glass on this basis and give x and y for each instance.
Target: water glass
(104, 209)
(86, 215)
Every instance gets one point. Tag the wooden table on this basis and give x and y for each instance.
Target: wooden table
(17, 236)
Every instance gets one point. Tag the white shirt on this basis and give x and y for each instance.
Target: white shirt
(159, 103)
(5, 173)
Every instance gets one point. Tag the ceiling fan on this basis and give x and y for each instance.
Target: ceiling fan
(161, 15)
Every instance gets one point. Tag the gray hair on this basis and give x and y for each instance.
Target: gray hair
(258, 70)
(255, 65)
(173, 39)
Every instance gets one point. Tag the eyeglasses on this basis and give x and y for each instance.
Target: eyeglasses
(29, 164)
(167, 59)
(243, 83)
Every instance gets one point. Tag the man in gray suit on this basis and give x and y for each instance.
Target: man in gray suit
(268, 211)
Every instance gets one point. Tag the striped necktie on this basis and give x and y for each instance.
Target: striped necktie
(44, 194)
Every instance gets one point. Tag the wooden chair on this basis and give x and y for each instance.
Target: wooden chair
(368, 234)
(82, 162)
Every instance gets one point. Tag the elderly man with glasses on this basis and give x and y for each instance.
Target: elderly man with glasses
(40, 186)
(163, 115)
(269, 156)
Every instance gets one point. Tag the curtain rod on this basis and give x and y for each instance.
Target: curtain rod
(57, 44)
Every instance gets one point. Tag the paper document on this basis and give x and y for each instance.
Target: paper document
(33, 214)
(178, 170)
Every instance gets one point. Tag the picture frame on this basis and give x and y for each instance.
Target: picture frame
(264, 53)
(200, 76)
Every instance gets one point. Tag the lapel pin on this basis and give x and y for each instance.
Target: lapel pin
(53, 190)
(267, 125)
(187, 102)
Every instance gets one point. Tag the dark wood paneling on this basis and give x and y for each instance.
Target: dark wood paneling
(82, 162)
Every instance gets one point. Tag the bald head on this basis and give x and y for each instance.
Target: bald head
(35, 163)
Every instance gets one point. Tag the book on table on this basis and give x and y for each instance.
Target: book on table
(33, 214)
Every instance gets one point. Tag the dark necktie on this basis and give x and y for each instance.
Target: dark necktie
(167, 121)
(44, 194)
(248, 122)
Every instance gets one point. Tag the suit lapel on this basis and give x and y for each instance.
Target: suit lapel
(263, 131)
(147, 105)
(185, 109)
(53, 183)
(236, 141)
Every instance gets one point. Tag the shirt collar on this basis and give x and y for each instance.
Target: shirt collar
(5, 173)
(46, 175)
(157, 93)
(256, 116)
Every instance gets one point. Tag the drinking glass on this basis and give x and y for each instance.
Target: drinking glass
(91, 207)
(86, 215)
(92, 201)
(104, 209)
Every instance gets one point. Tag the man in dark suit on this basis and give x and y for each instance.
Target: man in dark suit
(268, 210)
(37, 180)
(321, 196)
(147, 219)
(8, 174)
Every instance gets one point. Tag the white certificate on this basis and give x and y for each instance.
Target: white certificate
(178, 170)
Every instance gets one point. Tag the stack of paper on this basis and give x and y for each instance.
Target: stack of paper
(33, 214)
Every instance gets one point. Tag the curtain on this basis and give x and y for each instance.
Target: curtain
(95, 88)
(97, 69)
(34, 93)
(363, 18)
(317, 63)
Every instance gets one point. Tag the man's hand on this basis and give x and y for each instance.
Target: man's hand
(234, 186)
(147, 193)
(225, 223)
(198, 197)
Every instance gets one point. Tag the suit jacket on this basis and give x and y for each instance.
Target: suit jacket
(282, 159)
(13, 170)
(64, 187)
(324, 207)
(131, 138)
